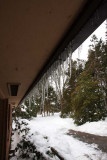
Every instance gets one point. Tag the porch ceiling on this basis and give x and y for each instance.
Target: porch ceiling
(30, 30)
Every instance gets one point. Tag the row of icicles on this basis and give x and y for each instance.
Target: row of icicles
(55, 76)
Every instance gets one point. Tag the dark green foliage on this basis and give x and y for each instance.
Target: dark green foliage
(69, 87)
(51, 104)
(97, 64)
(31, 107)
(25, 149)
(87, 100)
(89, 96)
(26, 111)
(20, 113)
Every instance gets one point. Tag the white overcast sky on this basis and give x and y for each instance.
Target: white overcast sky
(99, 32)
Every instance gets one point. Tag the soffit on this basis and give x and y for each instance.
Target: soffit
(29, 33)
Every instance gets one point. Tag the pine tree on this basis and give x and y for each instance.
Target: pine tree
(97, 64)
(87, 100)
(70, 85)
(51, 105)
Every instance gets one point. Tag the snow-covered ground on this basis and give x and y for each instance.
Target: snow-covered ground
(52, 132)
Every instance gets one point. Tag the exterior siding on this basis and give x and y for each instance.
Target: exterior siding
(5, 129)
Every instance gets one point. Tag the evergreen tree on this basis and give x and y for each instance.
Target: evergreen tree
(97, 64)
(70, 85)
(27, 110)
(87, 100)
(31, 107)
(51, 104)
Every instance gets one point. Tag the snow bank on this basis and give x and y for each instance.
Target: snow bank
(52, 132)
(97, 128)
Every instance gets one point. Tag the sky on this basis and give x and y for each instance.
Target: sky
(99, 32)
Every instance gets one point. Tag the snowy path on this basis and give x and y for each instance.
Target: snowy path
(101, 141)
(52, 132)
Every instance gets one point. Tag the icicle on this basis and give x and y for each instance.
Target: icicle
(51, 76)
(43, 93)
(79, 52)
(59, 76)
(67, 57)
(70, 56)
(54, 75)
(70, 61)
(63, 75)
(42, 101)
(47, 86)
